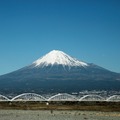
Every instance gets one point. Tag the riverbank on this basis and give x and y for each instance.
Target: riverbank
(62, 105)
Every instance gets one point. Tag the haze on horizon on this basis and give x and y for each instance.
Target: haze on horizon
(86, 30)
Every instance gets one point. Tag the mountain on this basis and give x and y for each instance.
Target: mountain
(58, 72)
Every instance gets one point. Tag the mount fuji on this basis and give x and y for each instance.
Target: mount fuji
(58, 72)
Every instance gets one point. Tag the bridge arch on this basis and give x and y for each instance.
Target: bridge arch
(3, 98)
(114, 98)
(91, 98)
(63, 97)
(29, 97)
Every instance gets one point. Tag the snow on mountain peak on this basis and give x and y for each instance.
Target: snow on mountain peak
(59, 58)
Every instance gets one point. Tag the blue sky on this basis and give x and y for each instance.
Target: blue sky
(86, 29)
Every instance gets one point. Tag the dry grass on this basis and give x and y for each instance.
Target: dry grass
(89, 106)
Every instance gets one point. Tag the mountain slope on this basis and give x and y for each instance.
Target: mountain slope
(59, 72)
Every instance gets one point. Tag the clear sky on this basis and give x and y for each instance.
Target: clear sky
(86, 29)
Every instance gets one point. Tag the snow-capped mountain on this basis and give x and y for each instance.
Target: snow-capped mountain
(57, 57)
(59, 72)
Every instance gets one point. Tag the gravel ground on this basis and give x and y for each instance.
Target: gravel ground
(57, 115)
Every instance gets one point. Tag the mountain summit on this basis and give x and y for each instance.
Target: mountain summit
(58, 72)
(57, 57)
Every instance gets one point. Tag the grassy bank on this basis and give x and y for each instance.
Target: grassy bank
(65, 105)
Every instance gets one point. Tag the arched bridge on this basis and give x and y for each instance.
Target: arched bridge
(29, 97)
(63, 97)
(91, 98)
(3, 98)
(114, 98)
(60, 97)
